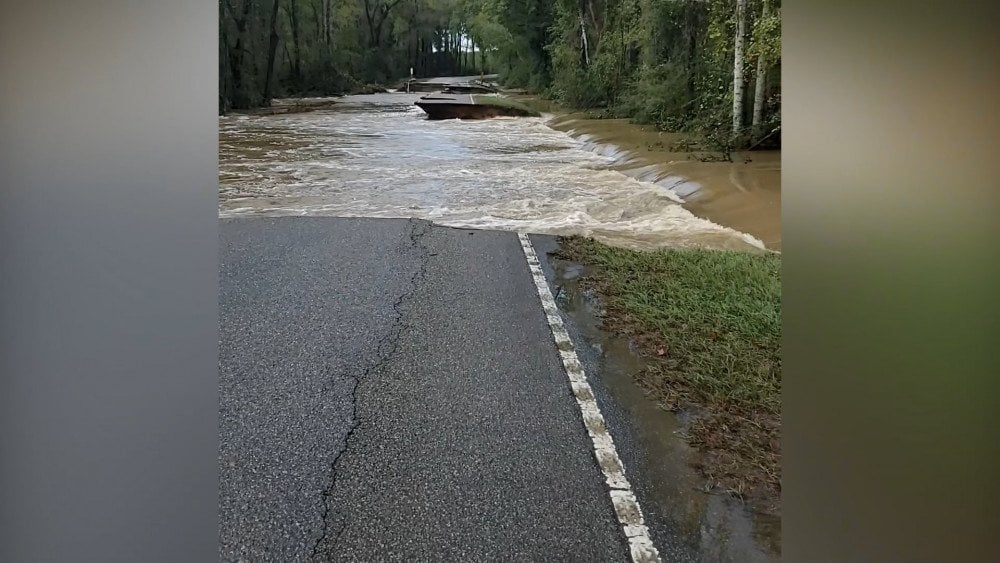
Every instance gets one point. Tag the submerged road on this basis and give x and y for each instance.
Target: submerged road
(390, 390)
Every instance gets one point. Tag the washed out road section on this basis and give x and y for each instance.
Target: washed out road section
(390, 390)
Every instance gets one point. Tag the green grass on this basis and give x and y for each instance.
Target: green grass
(502, 101)
(709, 324)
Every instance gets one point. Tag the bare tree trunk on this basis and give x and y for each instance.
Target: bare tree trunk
(371, 24)
(225, 93)
(741, 9)
(583, 35)
(472, 48)
(375, 23)
(593, 18)
(293, 16)
(272, 49)
(453, 50)
(761, 80)
(238, 89)
(691, 17)
(326, 22)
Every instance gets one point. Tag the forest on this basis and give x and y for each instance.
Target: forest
(710, 67)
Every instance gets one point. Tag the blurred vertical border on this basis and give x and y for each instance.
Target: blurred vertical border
(108, 281)
(891, 281)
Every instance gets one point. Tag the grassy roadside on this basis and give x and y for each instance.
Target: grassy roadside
(709, 324)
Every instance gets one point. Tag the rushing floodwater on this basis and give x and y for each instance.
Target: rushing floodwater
(378, 156)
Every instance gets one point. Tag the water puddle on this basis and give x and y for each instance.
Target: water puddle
(378, 156)
(692, 525)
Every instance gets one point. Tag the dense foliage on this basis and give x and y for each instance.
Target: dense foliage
(666, 62)
(269, 48)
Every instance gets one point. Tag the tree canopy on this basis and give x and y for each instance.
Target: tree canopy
(670, 63)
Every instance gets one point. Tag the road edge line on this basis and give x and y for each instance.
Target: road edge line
(620, 490)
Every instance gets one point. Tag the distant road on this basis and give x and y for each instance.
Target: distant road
(456, 79)
(390, 390)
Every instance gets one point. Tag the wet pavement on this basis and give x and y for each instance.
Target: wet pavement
(390, 391)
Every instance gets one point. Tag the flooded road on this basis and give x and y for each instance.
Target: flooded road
(378, 156)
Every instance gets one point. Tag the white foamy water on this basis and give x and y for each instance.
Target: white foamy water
(378, 156)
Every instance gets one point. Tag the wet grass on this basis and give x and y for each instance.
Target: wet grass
(504, 102)
(709, 324)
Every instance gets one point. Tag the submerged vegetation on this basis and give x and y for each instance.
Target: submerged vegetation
(710, 67)
(709, 324)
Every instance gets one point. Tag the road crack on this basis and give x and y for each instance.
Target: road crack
(329, 538)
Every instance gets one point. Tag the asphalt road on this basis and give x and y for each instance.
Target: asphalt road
(390, 391)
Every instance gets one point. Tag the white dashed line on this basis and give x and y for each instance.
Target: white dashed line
(626, 506)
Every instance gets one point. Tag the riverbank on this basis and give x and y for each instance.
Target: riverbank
(742, 192)
(707, 324)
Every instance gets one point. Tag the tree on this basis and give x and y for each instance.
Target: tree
(376, 13)
(271, 51)
(677, 64)
(292, 12)
(741, 20)
(767, 45)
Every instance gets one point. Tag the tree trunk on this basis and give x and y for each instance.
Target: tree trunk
(583, 35)
(371, 24)
(238, 89)
(224, 86)
(326, 23)
(741, 9)
(293, 17)
(272, 49)
(420, 56)
(691, 21)
(761, 81)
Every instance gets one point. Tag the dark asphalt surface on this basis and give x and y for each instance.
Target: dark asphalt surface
(390, 391)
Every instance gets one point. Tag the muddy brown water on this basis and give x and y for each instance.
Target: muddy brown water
(744, 194)
(379, 156)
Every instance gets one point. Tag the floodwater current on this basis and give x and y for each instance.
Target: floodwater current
(379, 156)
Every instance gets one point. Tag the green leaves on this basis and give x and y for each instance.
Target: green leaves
(766, 38)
